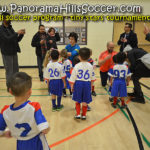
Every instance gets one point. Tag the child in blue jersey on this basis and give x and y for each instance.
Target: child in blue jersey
(72, 48)
(120, 77)
(55, 73)
(81, 81)
(67, 66)
(24, 118)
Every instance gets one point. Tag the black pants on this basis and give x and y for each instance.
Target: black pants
(11, 65)
(104, 77)
(140, 71)
(40, 60)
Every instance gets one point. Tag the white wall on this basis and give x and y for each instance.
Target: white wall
(98, 32)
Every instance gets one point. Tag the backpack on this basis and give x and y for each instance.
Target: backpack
(146, 60)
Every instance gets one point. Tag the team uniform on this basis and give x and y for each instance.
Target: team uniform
(74, 51)
(25, 123)
(67, 67)
(119, 72)
(55, 73)
(81, 77)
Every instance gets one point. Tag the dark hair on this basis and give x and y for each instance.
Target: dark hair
(41, 26)
(64, 53)
(129, 25)
(74, 35)
(115, 58)
(54, 54)
(76, 60)
(20, 83)
(50, 29)
(84, 53)
(4, 14)
(121, 56)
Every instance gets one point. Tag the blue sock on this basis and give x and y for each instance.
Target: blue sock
(58, 101)
(54, 103)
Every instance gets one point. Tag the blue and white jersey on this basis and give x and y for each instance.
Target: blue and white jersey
(67, 65)
(82, 71)
(119, 71)
(54, 70)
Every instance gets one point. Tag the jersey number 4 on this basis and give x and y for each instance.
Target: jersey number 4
(26, 127)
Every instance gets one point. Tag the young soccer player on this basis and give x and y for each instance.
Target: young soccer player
(67, 66)
(24, 118)
(120, 77)
(55, 73)
(81, 81)
(91, 61)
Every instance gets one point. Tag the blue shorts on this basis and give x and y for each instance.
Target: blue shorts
(119, 88)
(82, 92)
(56, 87)
(37, 143)
(68, 77)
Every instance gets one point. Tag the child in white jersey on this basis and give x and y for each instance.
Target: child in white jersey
(55, 74)
(81, 81)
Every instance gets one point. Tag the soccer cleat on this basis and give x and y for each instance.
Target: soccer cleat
(93, 93)
(113, 105)
(123, 106)
(54, 109)
(60, 107)
(88, 108)
(77, 117)
(83, 117)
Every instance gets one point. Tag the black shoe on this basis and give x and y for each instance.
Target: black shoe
(41, 79)
(111, 99)
(93, 93)
(123, 106)
(138, 100)
(114, 106)
(132, 94)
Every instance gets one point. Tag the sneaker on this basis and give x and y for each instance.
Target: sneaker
(64, 95)
(54, 109)
(77, 117)
(123, 106)
(88, 108)
(113, 105)
(131, 94)
(83, 117)
(93, 93)
(60, 107)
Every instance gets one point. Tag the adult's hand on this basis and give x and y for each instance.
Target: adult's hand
(146, 30)
(42, 42)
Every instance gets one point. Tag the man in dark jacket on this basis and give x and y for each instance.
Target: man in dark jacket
(139, 71)
(9, 46)
(39, 41)
(128, 38)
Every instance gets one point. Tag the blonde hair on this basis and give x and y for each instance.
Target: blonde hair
(46, 59)
(63, 53)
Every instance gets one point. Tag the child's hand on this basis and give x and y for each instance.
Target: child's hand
(127, 83)
(45, 131)
(7, 134)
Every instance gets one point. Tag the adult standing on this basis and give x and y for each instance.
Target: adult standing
(139, 70)
(39, 41)
(128, 38)
(147, 33)
(106, 61)
(72, 48)
(9, 44)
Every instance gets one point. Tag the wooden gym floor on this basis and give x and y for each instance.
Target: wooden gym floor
(106, 128)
